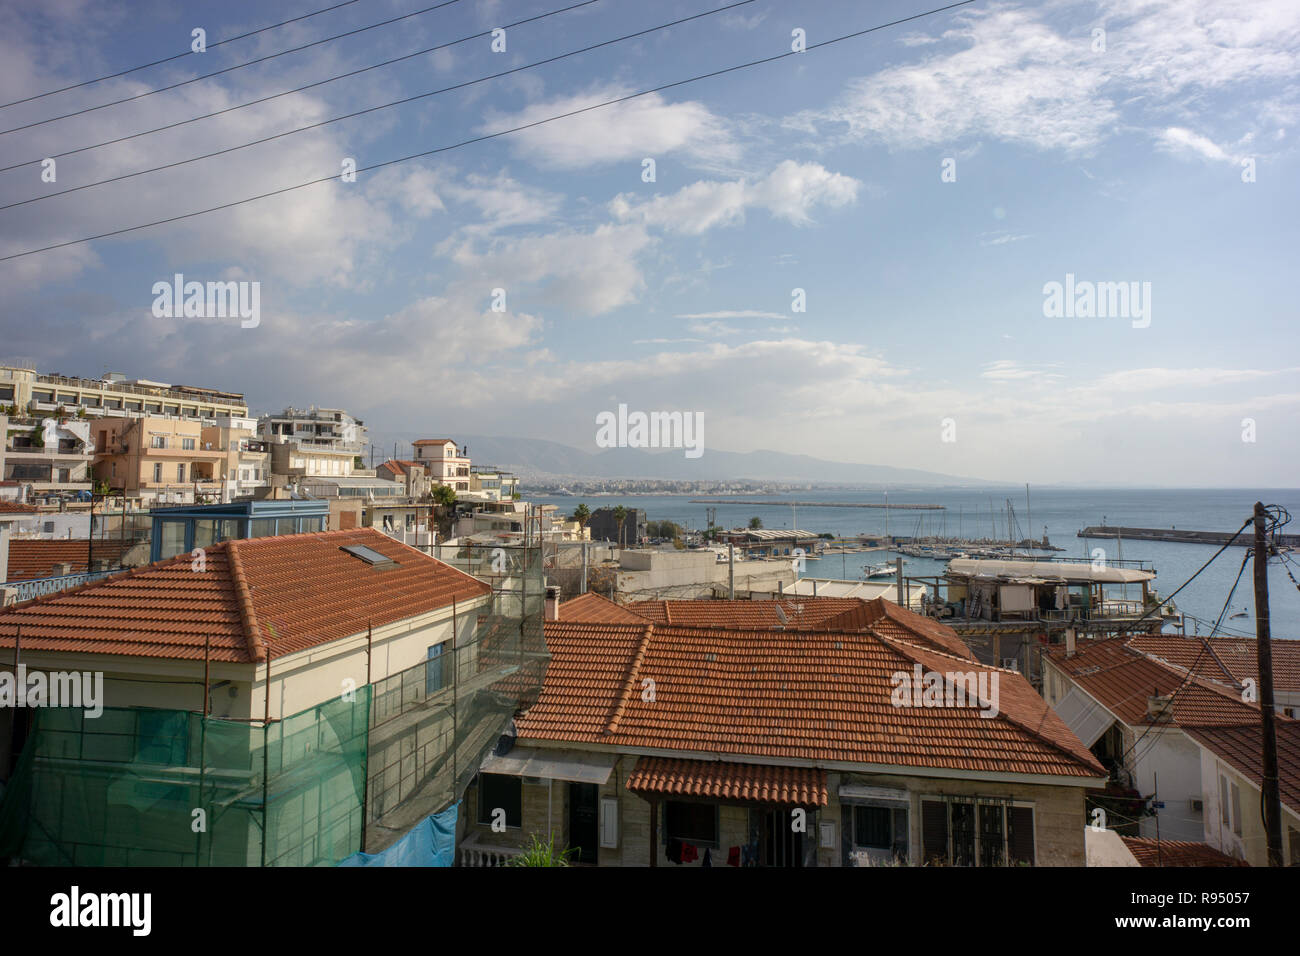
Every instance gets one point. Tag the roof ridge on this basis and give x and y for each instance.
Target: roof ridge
(244, 595)
(616, 714)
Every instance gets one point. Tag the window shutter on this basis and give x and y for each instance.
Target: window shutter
(1020, 835)
(609, 823)
(934, 830)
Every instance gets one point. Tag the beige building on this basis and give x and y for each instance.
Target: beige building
(156, 460)
(245, 465)
(113, 396)
(766, 733)
(445, 463)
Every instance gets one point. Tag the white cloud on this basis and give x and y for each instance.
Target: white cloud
(1177, 139)
(789, 192)
(648, 126)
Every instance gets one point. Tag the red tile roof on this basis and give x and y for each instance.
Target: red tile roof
(256, 597)
(808, 695)
(396, 466)
(820, 613)
(744, 783)
(1122, 679)
(1149, 852)
(31, 558)
(1240, 747)
(1229, 660)
(433, 441)
(591, 608)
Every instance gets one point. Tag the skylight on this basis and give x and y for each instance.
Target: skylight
(370, 556)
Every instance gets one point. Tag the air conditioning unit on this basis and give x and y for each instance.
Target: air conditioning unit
(1011, 664)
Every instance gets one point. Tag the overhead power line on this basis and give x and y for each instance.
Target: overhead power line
(178, 56)
(228, 69)
(488, 136)
(381, 106)
(298, 89)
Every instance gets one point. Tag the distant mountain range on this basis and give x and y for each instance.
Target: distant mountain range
(538, 459)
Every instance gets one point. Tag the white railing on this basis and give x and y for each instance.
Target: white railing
(473, 853)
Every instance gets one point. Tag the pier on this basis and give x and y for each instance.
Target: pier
(1180, 536)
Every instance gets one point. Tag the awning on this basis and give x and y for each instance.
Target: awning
(574, 766)
(733, 782)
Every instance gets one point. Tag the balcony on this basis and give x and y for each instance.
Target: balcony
(474, 853)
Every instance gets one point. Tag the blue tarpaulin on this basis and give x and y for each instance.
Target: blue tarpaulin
(431, 842)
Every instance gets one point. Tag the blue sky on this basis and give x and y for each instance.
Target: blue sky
(820, 171)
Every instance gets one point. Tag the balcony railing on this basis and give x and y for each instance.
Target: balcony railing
(474, 853)
(26, 590)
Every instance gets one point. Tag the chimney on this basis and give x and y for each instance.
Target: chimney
(552, 603)
(62, 568)
(1159, 706)
(1070, 650)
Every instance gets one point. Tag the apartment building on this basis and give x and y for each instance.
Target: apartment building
(49, 454)
(446, 463)
(156, 460)
(36, 394)
(493, 483)
(245, 464)
(325, 427)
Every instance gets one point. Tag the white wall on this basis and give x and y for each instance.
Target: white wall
(1171, 759)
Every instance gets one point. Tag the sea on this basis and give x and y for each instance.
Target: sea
(1057, 511)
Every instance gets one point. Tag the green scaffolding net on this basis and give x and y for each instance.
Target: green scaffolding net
(145, 787)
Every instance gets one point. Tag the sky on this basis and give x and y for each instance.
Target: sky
(923, 185)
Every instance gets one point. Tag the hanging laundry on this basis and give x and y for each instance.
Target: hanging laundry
(733, 856)
(674, 851)
(689, 853)
(708, 858)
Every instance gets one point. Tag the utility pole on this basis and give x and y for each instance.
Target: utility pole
(1272, 802)
(731, 572)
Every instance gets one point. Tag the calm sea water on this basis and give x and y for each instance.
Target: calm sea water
(1062, 512)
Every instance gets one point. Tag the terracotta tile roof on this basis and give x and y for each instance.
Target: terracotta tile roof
(14, 508)
(31, 558)
(400, 466)
(591, 608)
(820, 613)
(1229, 660)
(433, 441)
(256, 597)
(1240, 747)
(810, 695)
(745, 783)
(1149, 852)
(1121, 679)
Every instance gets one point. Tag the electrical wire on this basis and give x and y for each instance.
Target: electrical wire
(381, 106)
(488, 136)
(178, 56)
(228, 69)
(298, 89)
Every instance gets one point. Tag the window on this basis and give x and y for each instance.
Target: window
(180, 472)
(433, 670)
(977, 832)
(497, 791)
(157, 472)
(187, 444)
(1236, 809)
(158, 441)
(873, 827)
(692, 822)
(112, 469)
(1224, 818)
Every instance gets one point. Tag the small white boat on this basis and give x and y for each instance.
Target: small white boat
(870, 571)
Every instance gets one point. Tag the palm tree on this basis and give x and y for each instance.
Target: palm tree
(444, 495)
(620, 515)
(581, 514)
